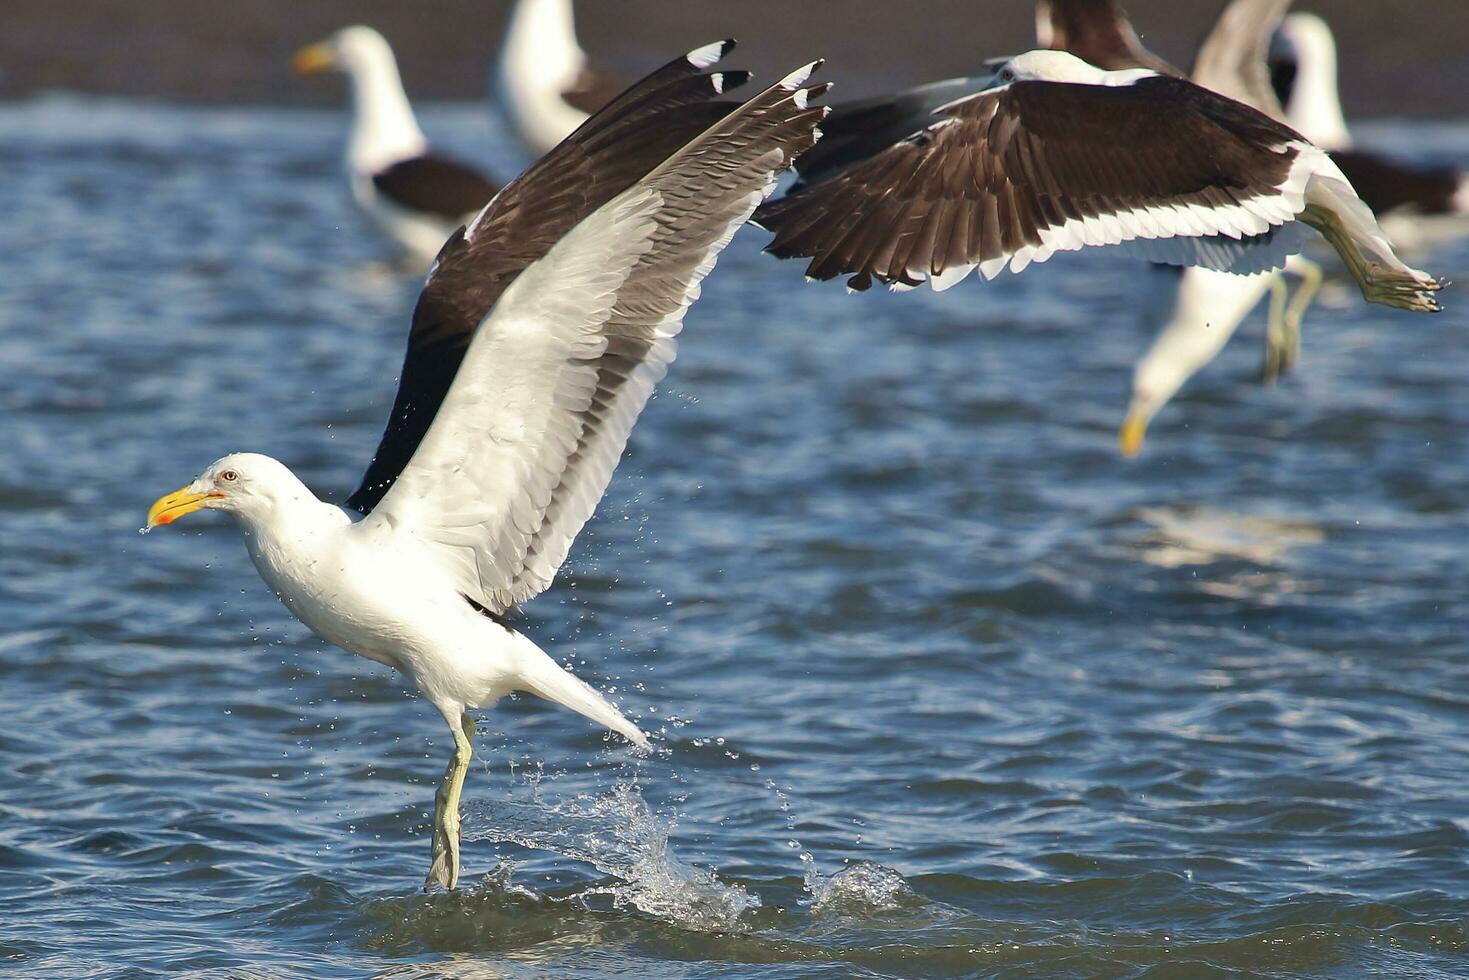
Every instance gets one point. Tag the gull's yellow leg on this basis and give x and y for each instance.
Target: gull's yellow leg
(1275, 329)
(445, 868)
(1311, 276)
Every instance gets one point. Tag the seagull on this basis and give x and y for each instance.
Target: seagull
(1058, 155)
(1204, 306)
(545, 83)
(539, 335)
(414, 196)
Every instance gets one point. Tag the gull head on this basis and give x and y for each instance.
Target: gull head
(351, 49)
(245, 485)
(1155, 381)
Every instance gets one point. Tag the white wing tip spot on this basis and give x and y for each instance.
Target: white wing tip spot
(707, 55)
(798, 77)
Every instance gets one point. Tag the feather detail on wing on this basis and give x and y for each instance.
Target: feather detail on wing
(1012, 175)
(526, 440)
(634, 133)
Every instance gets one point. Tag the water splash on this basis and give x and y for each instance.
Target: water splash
(619, 835)
(857, 889)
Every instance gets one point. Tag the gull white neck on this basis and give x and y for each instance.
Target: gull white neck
(384, 129)
(1314, 107)
(538, 61)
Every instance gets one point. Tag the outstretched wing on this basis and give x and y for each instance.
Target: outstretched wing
(1011, 175)
(526, 440)
(855, 131)
(633, 134)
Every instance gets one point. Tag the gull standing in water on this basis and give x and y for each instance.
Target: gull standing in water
(414, 196)
(544, 81)
(539, 336)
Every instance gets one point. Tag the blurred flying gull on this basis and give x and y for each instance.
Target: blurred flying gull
(1414, 204)
(1206, 306)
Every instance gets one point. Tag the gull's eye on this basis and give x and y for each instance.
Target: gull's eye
(1007, 74)
(229, 476)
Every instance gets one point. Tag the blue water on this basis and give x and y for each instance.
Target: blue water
(945, 687)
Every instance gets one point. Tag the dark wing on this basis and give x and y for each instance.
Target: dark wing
(1387, 184)
(1012, 175)
(435, 185)
(591, 90)
(857, 130)
(606, 155)
(1097, 32)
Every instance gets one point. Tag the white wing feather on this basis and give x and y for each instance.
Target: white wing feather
(525, 442)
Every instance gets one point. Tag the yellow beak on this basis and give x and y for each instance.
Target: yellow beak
(1130, 437)
(312, 59)
(181, 502)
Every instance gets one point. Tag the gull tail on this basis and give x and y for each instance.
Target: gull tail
(545, 678)
(1334, 209)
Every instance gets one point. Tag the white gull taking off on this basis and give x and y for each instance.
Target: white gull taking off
(537, 340)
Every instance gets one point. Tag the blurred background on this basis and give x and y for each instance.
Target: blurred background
(1404, 58)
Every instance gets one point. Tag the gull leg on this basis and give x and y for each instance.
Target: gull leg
(1401, 288)
(1275, 330)
(445, 868)
(1311, 276)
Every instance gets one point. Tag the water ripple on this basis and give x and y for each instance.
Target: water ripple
(943, 687)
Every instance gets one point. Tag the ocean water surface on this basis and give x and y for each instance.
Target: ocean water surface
(943, 686)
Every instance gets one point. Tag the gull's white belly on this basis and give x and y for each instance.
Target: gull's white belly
(389, 604)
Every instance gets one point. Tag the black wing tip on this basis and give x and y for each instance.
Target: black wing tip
(796, 81)
(705, 55)
(818, 90)
(724, 81)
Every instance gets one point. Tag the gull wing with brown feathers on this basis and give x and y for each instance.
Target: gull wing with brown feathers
(611, 150)
(539, 412)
